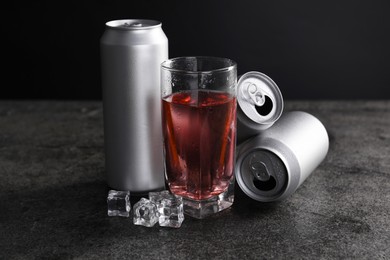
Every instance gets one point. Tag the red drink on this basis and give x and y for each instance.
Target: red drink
(199, 138)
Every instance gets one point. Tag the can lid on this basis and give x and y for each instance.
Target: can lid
(133, 24)
(261, 175)
(259, 98)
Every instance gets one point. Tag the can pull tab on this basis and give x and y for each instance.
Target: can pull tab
(259, 170)
(262, 178)
(136, 24)
(253, 94)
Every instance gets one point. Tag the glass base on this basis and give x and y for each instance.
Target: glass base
(202, 208)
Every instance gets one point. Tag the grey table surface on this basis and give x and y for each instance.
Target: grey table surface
(53, 194)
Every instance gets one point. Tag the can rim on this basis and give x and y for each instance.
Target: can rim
(283, 153)
(144, 24)
(166, 65)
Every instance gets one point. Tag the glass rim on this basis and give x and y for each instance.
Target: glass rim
(227, 68)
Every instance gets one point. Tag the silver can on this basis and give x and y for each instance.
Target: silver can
(131, 54)
(273, 164)
(260, 104)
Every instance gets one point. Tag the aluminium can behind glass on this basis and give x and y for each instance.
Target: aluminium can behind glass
(260, 104)
(131, 53)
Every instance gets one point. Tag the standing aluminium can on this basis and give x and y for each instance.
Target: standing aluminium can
(131, 53)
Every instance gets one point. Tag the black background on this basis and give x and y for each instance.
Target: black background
(311, 49)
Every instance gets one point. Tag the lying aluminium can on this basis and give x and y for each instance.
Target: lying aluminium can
(273, 164)
(260, 104)
(131, 54)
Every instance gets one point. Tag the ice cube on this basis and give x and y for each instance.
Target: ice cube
(145, 213)
(118, 203)
(170, 208)
(171, 212)
(156, 197)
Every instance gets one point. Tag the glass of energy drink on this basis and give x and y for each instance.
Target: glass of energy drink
(199, 130)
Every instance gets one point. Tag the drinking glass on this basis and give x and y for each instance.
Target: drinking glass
(199, 130)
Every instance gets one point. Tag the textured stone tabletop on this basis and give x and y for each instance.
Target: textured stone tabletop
(53, 194)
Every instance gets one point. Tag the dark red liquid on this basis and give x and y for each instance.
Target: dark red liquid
(199, 130)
